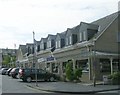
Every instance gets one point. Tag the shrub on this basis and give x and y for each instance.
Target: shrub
(69, 71)
(71, 74)
(115, 77)
(77, 73)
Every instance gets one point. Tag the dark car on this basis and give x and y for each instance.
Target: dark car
(30, 74)
(14, 72)
(8, 71)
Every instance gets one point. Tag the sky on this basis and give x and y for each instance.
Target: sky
(19, 18)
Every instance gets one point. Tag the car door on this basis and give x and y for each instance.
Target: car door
(33, 74)
(41, 74)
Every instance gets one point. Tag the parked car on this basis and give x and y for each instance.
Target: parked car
(14, 72)
(3, 71)
(28, 75)
(8, 71)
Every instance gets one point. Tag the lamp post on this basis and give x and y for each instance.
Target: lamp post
(94, 65)
(34, 58)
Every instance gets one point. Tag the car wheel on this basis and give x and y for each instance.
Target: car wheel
(52, 78)
(28, 79)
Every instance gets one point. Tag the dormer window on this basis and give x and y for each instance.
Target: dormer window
(32, 50)
(49, 44)
(38, 48)
(45, 46)
(42, 46)
(74, 39)
(29, 50)
(58, 44)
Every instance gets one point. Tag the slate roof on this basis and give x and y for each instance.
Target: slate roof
(23, 49)
(105, 21)
(69, 30)
(51, 36)
(29, 44)
(61, 35)
(43, 40)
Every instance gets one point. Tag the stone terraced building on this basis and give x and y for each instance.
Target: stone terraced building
(93, 46)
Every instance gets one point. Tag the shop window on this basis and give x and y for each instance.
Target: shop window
(54, 68)
(115, 65)
(82, 64)
(105, 65)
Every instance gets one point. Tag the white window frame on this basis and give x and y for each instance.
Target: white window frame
(56, 43)
(70, 39)
(59, 44)
(84, 35)
(66, 41)
(49, 44)
(80, 36)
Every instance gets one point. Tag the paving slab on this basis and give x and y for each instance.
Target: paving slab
(67, 87)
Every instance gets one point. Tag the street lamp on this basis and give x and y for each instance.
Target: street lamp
(34, 58)
(94, 65)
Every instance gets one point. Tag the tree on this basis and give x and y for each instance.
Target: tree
(13, 58)
(6, 59)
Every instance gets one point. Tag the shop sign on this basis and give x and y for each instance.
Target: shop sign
(51, 58)
(41, 60)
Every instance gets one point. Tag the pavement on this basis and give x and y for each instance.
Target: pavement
(74, 88)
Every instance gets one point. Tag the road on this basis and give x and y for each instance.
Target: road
(17, 87)
(10, 85)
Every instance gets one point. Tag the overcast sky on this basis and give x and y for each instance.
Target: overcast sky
(18, 18)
